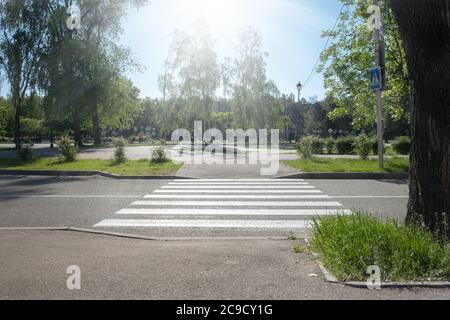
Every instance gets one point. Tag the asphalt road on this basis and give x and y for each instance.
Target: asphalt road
(87, 202)
(33, 263)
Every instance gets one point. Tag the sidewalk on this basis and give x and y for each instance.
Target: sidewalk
(33, 266)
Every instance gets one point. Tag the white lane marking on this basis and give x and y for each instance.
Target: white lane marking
(238, 180)
(237, 184)
(300, 191)
(233, 212)
(369, 197)
(65, 196)
(252, 224)
(223, 197)
(238, 203)
(233, 187)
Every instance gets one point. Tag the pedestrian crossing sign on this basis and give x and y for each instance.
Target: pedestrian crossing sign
(375, 79)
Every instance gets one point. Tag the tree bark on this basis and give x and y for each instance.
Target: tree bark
(97, 131)
(17, 128)
(425, 29)
(77, 127)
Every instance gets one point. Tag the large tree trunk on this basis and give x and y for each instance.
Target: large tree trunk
(425, 29)
(97, 131)
(77, 128)
(17, 128)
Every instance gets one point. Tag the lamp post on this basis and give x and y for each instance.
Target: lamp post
(299, 89)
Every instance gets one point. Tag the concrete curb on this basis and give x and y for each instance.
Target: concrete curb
(138, 236)
(348, 176)
(68, 173)
(387, 285)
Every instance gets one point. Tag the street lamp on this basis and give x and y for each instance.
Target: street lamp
(299, 89)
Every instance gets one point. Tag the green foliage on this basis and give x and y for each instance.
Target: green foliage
(362, 146)
(346, 61)
(402, 145)
(349, 165)
(159, 155)
(129, 168)
(67, 149)
(119, 150)
(348, 245)
(375, 146)
(31, 127)
(344, 145)
(304, 147)
(317, 145)
(25, 153)
(330, 145)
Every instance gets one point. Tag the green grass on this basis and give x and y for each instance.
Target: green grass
(132, 168)
(348, 245)
(348, 165)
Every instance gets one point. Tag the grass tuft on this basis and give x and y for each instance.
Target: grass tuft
(131, 168)
(348, 245)
(348, 165)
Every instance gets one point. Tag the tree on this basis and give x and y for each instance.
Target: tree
(22, 25)
(191, 76)
(255, 99)
(425, 29)
(346, 62)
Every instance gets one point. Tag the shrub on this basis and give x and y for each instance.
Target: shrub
(330, 144)
(119, 150)
(67, 148)
(159, 155)
(26, 152)
(317, 145)
(349, 244)
(362, 146)
(304, 147)
(344, 145)
(162, 142)
(375, 146)
(402, 145)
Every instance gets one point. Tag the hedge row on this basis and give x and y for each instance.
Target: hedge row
(348, 145)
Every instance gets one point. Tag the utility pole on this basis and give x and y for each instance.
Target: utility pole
(377, 34)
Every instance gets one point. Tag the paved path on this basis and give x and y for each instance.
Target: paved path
(34, 263)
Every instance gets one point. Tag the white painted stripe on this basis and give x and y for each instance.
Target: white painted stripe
(238, 180)
(11, 196)
(252, 224)
(238, 203)
(223, 197)
(370, 197)
(233, 212)
(237, 184)
(298, 191)
(232, 187)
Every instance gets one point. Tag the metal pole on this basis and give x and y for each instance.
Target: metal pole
(378, 98)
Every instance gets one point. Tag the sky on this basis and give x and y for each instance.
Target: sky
(290, 31)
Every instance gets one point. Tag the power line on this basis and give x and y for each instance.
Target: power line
(325, 47)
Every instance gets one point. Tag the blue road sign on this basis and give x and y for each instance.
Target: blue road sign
(375, 79)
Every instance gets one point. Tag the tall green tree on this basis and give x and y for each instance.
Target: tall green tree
(191, 76)
(22, 37)
(346, 62)
(425, 29)
(255, 98)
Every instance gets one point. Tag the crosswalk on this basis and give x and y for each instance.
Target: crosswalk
(263, 204)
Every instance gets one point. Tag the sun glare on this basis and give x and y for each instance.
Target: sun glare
(222, 16)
